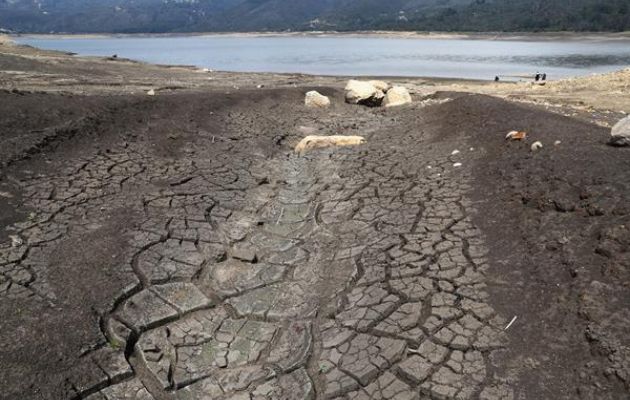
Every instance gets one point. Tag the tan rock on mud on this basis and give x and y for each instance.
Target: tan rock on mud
(314, 99)
(364, 93)
(621, 133)
(397, 96)
(318, 142)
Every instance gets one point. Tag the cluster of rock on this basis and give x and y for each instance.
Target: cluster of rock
(368, 93)
(376, 93)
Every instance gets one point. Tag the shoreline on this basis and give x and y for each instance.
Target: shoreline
(578, 93)
(6, 39)
(495, 36)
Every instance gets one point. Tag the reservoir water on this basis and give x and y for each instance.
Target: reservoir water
(357, 56)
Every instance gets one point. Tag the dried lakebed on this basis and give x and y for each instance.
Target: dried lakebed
(176, 248)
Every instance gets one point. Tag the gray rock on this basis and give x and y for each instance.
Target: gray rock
(621, 133)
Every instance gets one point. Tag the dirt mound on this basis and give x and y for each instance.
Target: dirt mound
(558, 222)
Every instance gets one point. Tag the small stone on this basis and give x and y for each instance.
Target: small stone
(621, 133)
(516, 135)
(536, 146)
(151, 92)
(16, 241)
(314, 99)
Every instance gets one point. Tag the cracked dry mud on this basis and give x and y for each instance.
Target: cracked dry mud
(185, 252)
(248, 272)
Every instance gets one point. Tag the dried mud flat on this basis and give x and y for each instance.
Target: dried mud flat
(174, 246)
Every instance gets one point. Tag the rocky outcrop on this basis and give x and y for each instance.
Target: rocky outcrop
(621, 133)
(314, 99)
(397, 96)
(364, 93)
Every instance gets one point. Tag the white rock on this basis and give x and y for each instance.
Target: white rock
(16, 241)
(317, 142)
(397, 96)
(457, 165)
(381, 85)
(621, 133)
(360, 92)
(537, 146)
(455, 152)
(557, 143)
(151, 92)
(314, 99)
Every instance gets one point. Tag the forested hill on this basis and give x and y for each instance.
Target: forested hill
(153, 16)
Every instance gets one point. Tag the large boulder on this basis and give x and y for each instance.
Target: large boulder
(621, 133)
(381, 85)
(397, 96)
(314, 99)
(364, 93)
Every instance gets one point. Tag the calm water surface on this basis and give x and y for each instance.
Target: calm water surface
(476, 59)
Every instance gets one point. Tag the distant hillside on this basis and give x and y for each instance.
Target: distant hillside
(153, 16)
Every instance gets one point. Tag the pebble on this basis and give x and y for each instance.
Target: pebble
(516, 135)
(16, 241)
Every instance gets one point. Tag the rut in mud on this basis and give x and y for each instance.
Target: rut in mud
(185, 252)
